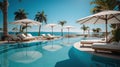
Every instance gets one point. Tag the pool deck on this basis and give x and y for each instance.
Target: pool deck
(88, 49)
(2, 42)
(37, 40)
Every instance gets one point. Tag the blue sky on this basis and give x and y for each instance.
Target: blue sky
(56, 10)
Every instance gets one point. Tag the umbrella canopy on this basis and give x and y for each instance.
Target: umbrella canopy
(109, 16)
(51, 25)
(68, 27)
(26, 22)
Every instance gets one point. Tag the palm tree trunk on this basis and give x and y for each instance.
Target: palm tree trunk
(5, 30)
(52, 29)
(26, 29)
(39, 30)
(83, 32)
(68, 32)
(61, 32)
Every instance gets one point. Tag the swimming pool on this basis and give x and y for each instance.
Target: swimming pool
(54, 53)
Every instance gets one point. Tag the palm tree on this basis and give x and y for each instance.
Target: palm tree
(101, 5)
(98, 30)
(23, 28)
(20, 14)
(41, 17)
(62, 23)
(4, 9)
(94, 30)
(84, 28)
(116, 35)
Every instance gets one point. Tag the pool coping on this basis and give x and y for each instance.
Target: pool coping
(91, 51)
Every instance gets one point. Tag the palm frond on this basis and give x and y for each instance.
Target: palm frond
(1, 6)
(101, 5)
(41, 17)
(62, 23)
(20, 14)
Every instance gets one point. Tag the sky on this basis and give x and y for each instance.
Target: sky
(56, 10)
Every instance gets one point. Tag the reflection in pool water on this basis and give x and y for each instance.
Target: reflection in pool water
(26, 56)
(67, 56)
(52, 47)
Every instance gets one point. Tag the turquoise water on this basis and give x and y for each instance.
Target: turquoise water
(35, 55)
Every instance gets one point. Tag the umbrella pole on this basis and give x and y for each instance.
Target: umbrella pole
(106, 28)
(26, 30)
(68, 32)
(52, 29)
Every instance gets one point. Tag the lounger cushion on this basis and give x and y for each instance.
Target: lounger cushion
(28, 38)
(91, 41)
(106, 46)
(49, 35)
(22, 36)
(29, 35)
(43, 35)
(14, 37)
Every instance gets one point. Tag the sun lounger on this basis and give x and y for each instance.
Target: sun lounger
(26, 38)
(13, 38)
(101, 40)
(49, 36)
(53, 36)
(92, 41)
(45, 37)
(113, 47)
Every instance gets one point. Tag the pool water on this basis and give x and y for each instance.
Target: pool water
(54, 53)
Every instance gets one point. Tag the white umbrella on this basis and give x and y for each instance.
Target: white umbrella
(52, 26)
(68, 27)
(26, 22)
(52, 47)
(106, 17)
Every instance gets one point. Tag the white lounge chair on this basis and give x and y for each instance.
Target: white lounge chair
(92, 41)
(51, 36)
(46, 37)
(114, 46)
(43, 35)
(13, 38)
(101, 40)
(26, 38)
